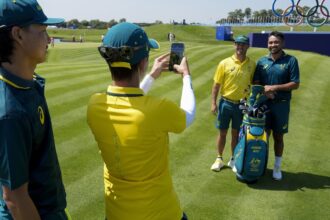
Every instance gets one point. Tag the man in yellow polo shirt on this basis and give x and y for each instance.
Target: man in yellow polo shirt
(232, 78)
(132, 128)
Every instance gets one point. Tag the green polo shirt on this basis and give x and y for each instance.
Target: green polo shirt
(27, 149)
(281, 71)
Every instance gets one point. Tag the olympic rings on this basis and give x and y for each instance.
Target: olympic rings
(281, 15)
(322, 9)
(312, 13)
(300, 11)
(287, 19)
(309, 18)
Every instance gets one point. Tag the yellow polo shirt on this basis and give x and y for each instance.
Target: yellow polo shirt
(234, 77)
(132, 134)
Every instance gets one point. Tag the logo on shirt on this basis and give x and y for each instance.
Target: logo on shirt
(265, 66)
(41, 115)
(282, 66)
(232, 69)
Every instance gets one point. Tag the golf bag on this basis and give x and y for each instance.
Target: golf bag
(251, 152)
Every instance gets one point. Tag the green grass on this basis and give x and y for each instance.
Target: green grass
(75, 71)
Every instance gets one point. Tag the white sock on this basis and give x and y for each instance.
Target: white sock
(278, 161)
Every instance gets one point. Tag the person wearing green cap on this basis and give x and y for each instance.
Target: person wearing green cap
(278, 72)
(131, 128)
(232, 78)
(31, 185)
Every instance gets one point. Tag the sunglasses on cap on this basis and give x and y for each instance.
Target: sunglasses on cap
(124, 53)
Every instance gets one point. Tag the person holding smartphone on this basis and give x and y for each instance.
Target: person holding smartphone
(232, 79)
(131, 128)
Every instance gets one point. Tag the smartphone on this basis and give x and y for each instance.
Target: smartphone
(176, 55)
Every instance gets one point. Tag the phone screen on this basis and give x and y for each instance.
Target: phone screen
(176, 55)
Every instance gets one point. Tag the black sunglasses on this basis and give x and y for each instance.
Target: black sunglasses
(115, 54)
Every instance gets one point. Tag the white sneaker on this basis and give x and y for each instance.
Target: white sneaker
(277, 173)
(217, 165)
(231, 164)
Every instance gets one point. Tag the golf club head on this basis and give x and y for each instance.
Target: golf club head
(260, 114)
(242, 107)
(242, 101)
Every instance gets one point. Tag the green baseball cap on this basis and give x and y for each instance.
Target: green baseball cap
(22, 13)
(131, 36)
(242, 39)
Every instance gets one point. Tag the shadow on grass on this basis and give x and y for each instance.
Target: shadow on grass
(292, 182)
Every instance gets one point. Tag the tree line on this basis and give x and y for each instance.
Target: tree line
(247, 15)
(236, 16)
(96, 24)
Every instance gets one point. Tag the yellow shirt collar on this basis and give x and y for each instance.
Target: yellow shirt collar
(237, 60)
(124, 90)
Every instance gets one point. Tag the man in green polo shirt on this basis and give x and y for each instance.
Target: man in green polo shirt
(279, 73)
(31, 185)
(232, 78)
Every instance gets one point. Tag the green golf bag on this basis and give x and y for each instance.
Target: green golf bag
(251, 152)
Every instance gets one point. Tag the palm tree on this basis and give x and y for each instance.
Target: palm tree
(248, 12)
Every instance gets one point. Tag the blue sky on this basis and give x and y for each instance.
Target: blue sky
(207, 11)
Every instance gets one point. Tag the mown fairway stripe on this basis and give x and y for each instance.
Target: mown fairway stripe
(168, 87)
(203, 194)
(87, 190)
(83, 89)
(86, 75)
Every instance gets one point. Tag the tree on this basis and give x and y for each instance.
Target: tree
(269, 16)
(239, 14)
(263, 15)
(294, 13)
(122, 20)
(255, 16)
(97, 24)
(279, 11)
(270, 13)
(247, 13)
(232, 17)
(94, 23)
(305, 10)
(221, 21)
(84, 24)
(112, 22)
(74, 23)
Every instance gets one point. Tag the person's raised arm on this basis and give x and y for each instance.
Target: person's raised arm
(188, 103)
(160, 65)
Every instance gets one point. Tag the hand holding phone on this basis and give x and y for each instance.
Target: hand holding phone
(176, 55)
(160, 65)
(183, 68)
